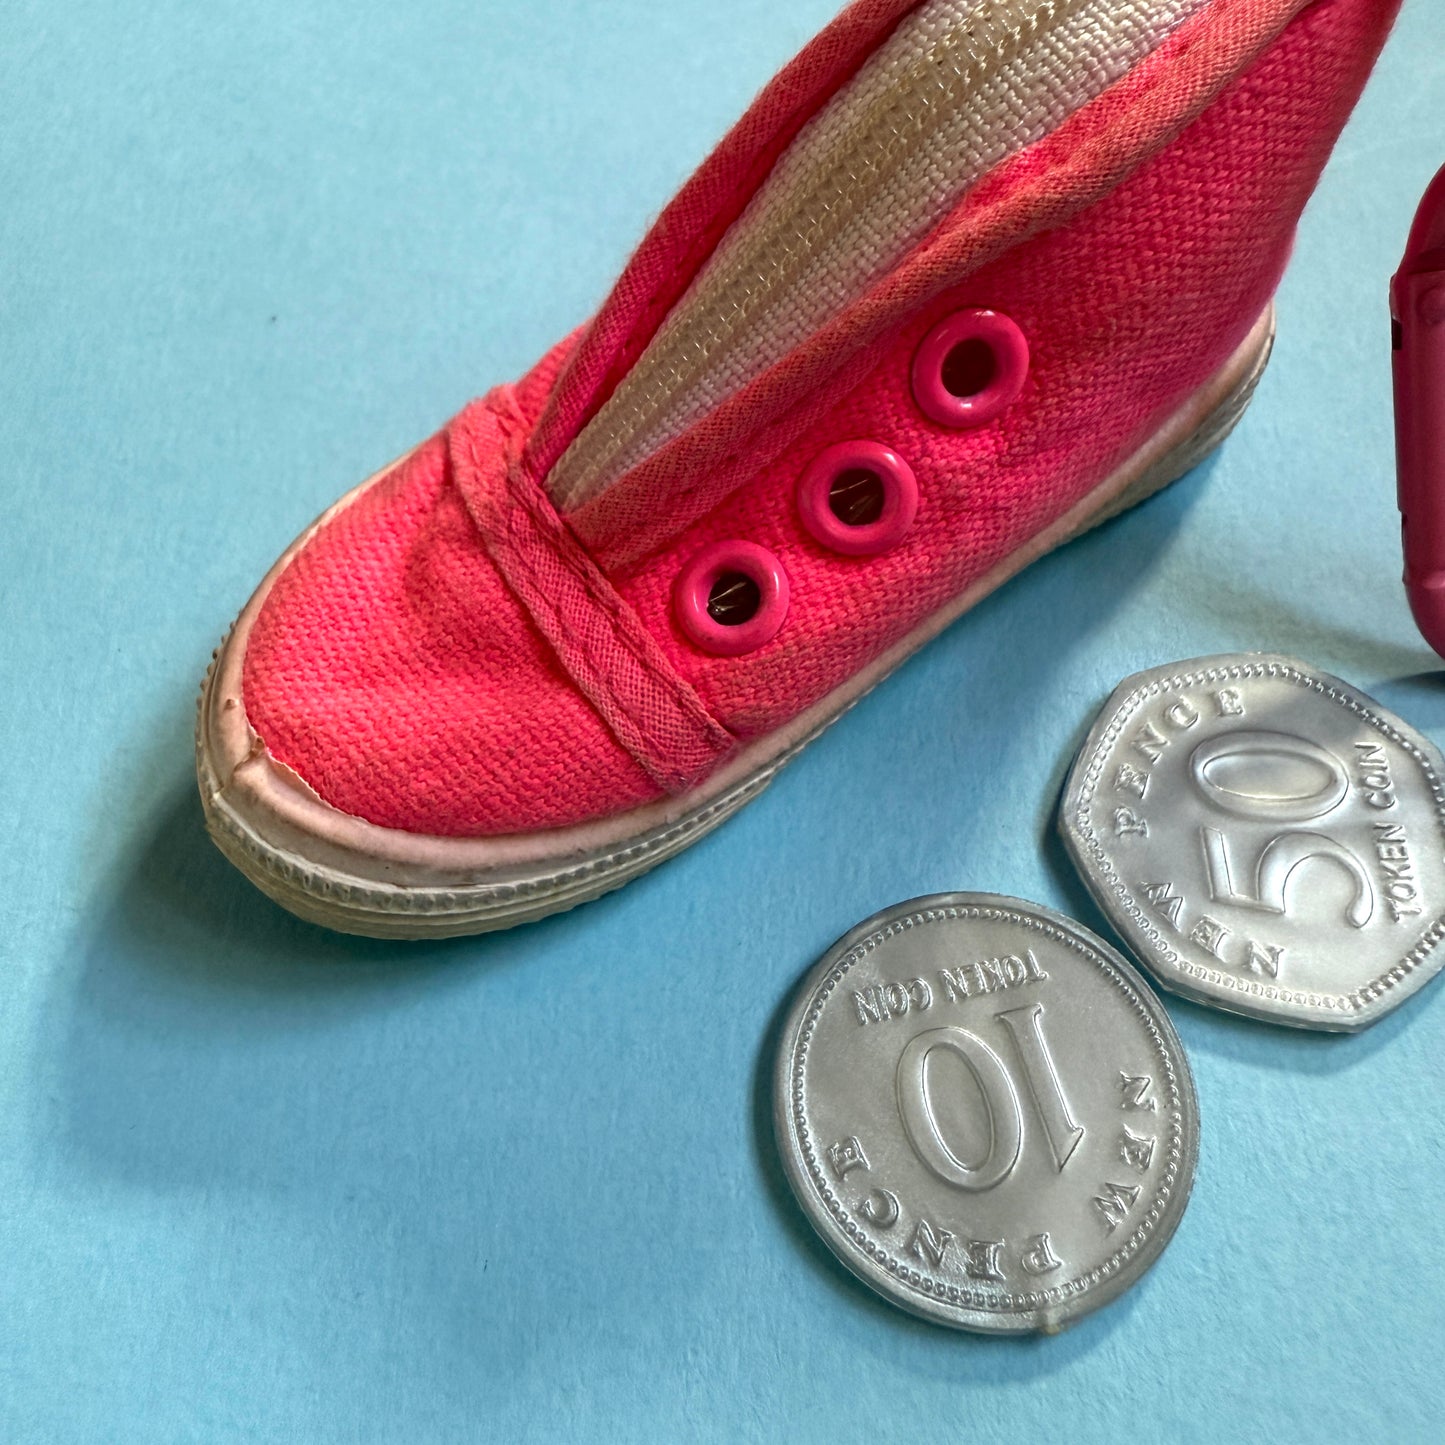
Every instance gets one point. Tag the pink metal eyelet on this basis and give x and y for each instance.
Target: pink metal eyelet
(970, 368)
(726, 581)
(858, 479)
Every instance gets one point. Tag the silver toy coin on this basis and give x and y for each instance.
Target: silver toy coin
(1265, 838)
(985, 1113)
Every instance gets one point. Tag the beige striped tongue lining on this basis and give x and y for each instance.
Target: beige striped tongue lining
(958, 87)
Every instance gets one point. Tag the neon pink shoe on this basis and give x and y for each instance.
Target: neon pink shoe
(969, 277)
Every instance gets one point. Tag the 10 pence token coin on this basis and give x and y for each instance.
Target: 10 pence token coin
(985, 1112)
(1265, 838)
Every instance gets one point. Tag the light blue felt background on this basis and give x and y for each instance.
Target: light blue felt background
(258, 1182)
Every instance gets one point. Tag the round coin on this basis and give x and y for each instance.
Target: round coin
(985, 1112)
(1265, 838)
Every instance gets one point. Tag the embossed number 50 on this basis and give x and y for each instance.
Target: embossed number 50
(1283, 853)
(1000, 1098)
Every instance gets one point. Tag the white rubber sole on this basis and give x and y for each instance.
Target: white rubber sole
(347, 874)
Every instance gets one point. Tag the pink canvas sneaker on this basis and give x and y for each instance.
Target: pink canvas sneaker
(969, 277)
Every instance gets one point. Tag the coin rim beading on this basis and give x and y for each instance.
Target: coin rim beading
(932, 1291)
(1210, 984)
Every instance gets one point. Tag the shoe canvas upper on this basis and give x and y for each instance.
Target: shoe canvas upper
(1046, 184)
(450, 654)
(958, 87)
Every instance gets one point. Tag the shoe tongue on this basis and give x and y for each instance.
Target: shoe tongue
(955, 89)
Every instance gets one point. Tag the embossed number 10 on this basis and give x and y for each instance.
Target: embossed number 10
(1283, 853)
(1000, 1097)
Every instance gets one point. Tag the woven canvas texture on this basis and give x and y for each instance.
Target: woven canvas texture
(402, 674)
(692, 224)
(1044, 187)
(399, 675)
(959, 86)
(1128, 309)
(600, 641)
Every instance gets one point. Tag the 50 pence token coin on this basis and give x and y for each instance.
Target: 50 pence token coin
(1265, 838)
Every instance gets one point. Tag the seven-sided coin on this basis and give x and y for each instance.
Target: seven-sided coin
(985, 1112)
(1265, 838)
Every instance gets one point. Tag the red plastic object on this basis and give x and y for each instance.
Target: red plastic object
(1417, 308)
